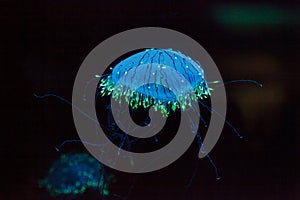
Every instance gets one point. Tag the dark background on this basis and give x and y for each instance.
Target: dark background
(45, 42)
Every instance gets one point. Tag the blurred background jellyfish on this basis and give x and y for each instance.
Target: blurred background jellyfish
(73, 174)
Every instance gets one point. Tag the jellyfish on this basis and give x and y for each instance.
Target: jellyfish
(143, 80)
(73, 174)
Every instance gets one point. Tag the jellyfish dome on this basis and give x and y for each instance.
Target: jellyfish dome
(160, 88)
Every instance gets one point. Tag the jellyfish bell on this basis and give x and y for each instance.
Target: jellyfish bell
(162, 78)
